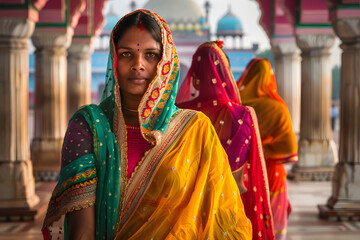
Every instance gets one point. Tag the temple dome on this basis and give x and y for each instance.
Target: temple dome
(229, 25)
(111, 19)
(175, 11)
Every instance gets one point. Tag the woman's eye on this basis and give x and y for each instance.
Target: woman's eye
(151, 55)
(125, 54)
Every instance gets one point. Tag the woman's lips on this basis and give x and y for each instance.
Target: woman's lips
(138, 80)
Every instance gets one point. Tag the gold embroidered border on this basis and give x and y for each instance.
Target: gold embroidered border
(262, 158)
(153, 160)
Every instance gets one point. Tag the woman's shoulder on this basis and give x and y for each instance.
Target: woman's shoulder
(247, 113)
(193, 116)
(85, 109)
(198, 116)
(276, 104)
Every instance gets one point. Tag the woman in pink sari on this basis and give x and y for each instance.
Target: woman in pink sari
(209, 86)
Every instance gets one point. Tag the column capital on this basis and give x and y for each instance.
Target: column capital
(42, 39)
(81, 47)
(284, 48)
(315, 44)
(347, 29)
(308, 42)
(16, 28)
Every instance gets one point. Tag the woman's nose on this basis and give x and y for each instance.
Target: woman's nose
(138, 63)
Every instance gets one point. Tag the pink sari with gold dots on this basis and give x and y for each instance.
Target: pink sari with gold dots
(209, 87)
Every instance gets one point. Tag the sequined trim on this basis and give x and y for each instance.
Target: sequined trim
(136, 191)
(79, 196)
(261, 153)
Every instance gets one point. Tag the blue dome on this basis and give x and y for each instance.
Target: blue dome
(111, 20)
(229, 24)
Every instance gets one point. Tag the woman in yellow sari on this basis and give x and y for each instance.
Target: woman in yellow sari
(258, 89)
(138, 167)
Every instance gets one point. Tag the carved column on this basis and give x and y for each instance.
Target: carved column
(79, 75)
(317, 150)
(345, 199)
(17, 185)
(50, 101)
(288, 78)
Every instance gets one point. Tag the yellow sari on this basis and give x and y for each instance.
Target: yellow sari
(193, 194)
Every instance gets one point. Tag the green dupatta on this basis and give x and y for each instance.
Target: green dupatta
(107, 163)
(102, 166)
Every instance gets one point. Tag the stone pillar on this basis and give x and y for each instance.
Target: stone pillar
(317, 150)
(79, 75)
(50, 101)
(345, 199)
(288, 78)
(17, 185)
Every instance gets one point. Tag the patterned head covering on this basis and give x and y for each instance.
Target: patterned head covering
(157, 105)
(259, 80)
(209, 86)
(258, 89)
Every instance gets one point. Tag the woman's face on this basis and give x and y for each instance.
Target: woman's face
(137, 57)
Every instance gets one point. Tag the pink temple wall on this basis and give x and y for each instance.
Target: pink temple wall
(289, 9)
(314, 12)
(85, 21)
(53, 12)
(21, 12)
(91, 20)
(282, 25)
(265, 19)
(99, 20)
(15, 2)
(76, 7)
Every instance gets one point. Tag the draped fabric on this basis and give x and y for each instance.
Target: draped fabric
(181, 188)
(209, 87)
(193, 194)
(258, 89)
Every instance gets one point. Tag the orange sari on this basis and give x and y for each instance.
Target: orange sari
(258, 89)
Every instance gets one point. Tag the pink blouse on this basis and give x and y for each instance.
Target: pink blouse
(78, 141)
(136, 147)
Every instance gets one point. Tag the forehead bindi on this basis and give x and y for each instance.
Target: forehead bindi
(137, 39)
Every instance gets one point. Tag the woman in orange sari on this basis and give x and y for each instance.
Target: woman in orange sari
(258, 89)
(210, 87)
(138, 167)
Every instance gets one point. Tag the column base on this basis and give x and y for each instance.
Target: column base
(311, 173)
(318, 153)
(38, 211)
(17, 185)
(46, 155)
(325, 212)
(21, 213)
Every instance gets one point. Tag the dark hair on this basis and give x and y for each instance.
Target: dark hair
(138, 19)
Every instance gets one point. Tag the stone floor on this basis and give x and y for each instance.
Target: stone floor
(303, 223)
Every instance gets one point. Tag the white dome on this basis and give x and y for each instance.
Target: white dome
(175, 11)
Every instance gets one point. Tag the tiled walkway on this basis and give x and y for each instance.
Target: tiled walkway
(303, 223)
